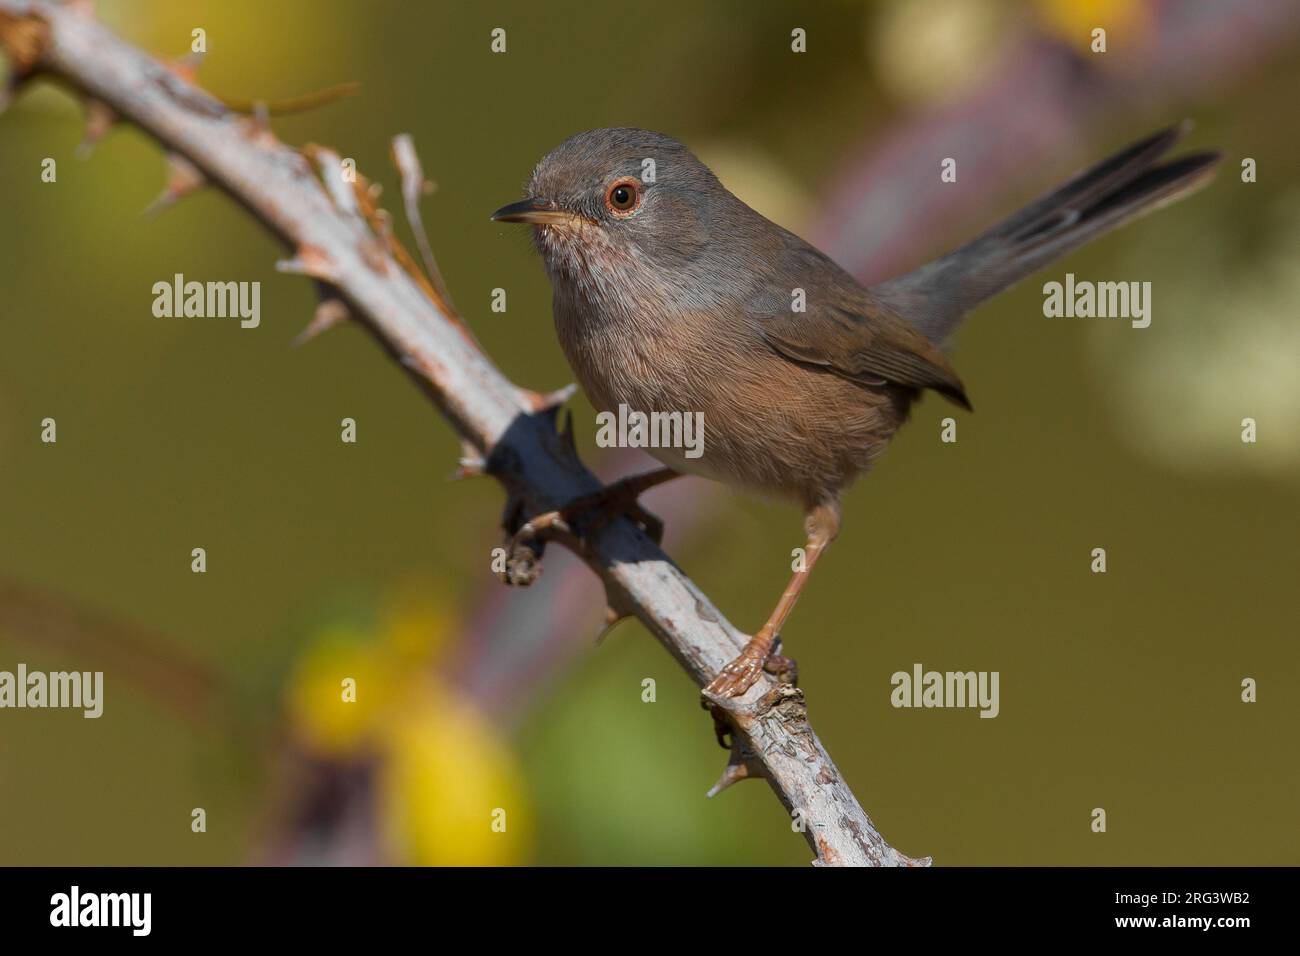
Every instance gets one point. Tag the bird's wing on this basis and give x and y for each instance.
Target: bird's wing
(843, 329)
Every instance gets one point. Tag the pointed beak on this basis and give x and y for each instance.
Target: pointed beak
(538, 212)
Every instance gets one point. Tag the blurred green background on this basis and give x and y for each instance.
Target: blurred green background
(1119, 691)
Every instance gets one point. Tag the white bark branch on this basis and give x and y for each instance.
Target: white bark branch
(522, 449)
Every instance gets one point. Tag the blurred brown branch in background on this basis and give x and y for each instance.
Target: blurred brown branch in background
(344, 241)
(187, 687)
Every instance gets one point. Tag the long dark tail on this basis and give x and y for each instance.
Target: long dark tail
(936, 296)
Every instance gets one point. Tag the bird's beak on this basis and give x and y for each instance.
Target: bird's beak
(539, 212)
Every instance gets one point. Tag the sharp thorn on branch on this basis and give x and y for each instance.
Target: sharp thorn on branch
(741, 764)
(100, 118)
(257, 126)
(615, 612)
(183, 178)
(334, 176)
(471, 463)
(549, 401)
(732, 773)
(469, 468)
(330, 312)
(310, 261)
(186, 67)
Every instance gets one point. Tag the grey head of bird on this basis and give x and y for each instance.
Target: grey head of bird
(628, 210)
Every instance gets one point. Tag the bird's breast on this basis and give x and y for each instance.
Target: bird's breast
(769, 425)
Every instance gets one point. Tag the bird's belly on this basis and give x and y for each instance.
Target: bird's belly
(680, 461)
(655, 410)
(763, 424)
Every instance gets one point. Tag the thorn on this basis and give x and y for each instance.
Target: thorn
(612, 620)
(471, 463)
(186, 67)
(469, 468)
(732, 773)
(100, 118)
(616, 611)
(183, 178)
(332, 175)
(310, 261)
(741, 764)
(330, 312)
(257, 126)
(550, 401)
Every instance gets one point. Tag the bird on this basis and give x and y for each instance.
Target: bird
(671, 295)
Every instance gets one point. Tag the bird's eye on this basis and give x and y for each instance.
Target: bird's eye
(623, 196)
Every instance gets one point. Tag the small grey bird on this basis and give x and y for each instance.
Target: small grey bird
(672, 295)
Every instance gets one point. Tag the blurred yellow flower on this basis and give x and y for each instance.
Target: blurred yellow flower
(1074, 20)
(417, 621)
(449, 788)
(323, 718)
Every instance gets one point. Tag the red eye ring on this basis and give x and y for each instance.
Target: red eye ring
(623, 197)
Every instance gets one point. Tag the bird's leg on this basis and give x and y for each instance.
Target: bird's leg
(737, 676)
(617, 498)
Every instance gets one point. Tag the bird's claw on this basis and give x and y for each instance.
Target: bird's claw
(785, 669)
(739, 674)
(602, 506)
(523, 565)
(524, 548)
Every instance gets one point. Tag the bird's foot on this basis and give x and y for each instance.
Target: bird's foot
(785, 669)
(620, 498)
(739, 674)
(597, 508)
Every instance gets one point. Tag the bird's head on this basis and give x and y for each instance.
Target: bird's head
(610, 201)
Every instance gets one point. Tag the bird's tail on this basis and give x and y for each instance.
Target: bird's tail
(1129, 184)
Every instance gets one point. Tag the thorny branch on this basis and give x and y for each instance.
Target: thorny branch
(342, 240)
